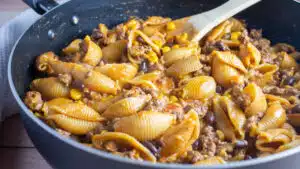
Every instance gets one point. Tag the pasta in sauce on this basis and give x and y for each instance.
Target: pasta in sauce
(141, 91)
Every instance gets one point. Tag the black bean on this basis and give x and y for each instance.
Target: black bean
(210, 118)
(195, 145)
(151, 147)
(83, 46)
(221, 46)
(219, 89)
(248, 157)
(296, 109)
(96, 34)
(241, 143)
(187, 108)
(140, 39)
(144, 66)
(290, 80)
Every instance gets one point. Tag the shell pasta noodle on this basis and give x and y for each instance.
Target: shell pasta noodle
(144, 91)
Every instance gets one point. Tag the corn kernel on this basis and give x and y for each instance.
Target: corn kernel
(158, 42)
(166, 49)
(223, 152)
(184, 36)
(135, 43)
(37, 114)
(171, 26)
(235, 36)
(152, 57)
(175, 46)
(173, 99)
(103, 29)
(132, 24)
(107, 97)
(103, 131)
(220, 135)
(160, 96)
(75, 94)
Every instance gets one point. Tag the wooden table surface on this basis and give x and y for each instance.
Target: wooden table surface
(16, 149)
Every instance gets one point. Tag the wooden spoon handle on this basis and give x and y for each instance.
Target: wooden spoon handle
(206, 21)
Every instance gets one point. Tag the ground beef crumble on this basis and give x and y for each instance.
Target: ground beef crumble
(210, 145)
(239, 97)
(200, 107)
(284, 92)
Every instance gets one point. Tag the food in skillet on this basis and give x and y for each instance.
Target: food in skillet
(144, 91)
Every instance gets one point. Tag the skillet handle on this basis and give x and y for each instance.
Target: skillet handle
(41, 6)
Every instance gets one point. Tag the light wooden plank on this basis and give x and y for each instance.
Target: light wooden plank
(13, 133)
(22, 158)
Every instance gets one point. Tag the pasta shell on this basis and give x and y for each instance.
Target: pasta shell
(122, 71)
(288, 61)
(231, 43)
(125, 140)
(273, 98)
(279, 47)
(59, 67)
(93, 54)
(201, 87)
(270, 140)
(250, 55)
(267, 71)
(184, 66)
(73, 47)
(101, 106)
(50, 87)
(112, 53)
(93, 80)
(42, 61)
(143, 83)
(72, 125)
(165, 84)
(290, 128)
(135, 33)
(98, 82)
(177, 54)
(126, 107)
(152, 76)
(292, 144)
(274, 117)
(47, 62)
(76, 110)
(227, 69)
(79, 72)
(211, 161)
(219, 31)
(237, 26)
(151, 30)
(178, 138)
(156, 20)
(54, 102)
(230, 59)
(230, 118)
(258, 100)
(145, 125)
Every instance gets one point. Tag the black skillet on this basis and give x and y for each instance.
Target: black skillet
(278, 18)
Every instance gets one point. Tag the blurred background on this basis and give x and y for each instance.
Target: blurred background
(16, 149)
(9, 9)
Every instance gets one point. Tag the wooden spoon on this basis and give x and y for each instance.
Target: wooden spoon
(199, 25)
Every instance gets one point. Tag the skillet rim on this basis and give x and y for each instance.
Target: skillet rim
(109, 156)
